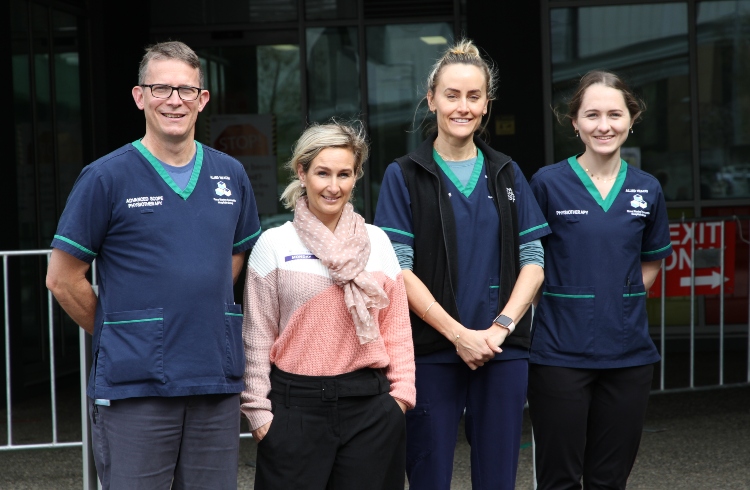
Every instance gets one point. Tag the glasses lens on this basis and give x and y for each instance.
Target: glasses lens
(161, 91)
(188, 93)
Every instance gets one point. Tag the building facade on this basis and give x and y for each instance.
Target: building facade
(273, 66)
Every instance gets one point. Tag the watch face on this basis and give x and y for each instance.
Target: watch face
(503, 320)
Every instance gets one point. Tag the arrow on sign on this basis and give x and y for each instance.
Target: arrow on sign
(714, 280)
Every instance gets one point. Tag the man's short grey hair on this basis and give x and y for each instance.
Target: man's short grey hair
(170, 50)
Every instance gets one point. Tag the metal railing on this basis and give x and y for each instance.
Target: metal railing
(689, 226)
(52, 370)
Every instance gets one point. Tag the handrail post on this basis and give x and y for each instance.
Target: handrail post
(721, 307)
(663, 324)
(6, 302)
(90, 480)
(692, 304)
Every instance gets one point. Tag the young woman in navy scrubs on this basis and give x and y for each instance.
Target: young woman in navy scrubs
(466, 230)
(592, 358)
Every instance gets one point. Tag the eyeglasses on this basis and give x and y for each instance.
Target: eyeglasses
(165, 91)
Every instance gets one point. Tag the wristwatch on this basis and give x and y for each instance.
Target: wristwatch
(505, 321)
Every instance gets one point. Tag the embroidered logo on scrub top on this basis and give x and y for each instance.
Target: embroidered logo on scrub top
(221, 189)
(638, 201)
(511, 195)
(223, 192)
(639, 204)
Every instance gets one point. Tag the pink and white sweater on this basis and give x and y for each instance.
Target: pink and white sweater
(295, 318)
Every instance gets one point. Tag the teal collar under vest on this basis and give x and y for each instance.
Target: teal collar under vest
(183, 193)
(467, 189)
(591, 187)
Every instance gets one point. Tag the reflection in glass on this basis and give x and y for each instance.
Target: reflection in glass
(399, 58)
(209, 12)
(330, 9)
(333, 73)
(648, 46)
(69, 134)
(724, 98)
(244, 82)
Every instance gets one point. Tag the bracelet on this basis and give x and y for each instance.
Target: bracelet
(428, 309)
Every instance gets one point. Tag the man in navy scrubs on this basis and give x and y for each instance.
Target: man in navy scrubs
(168, 221)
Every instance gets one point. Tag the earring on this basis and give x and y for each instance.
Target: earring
(631, 129)
(576, 130)
(302, 185)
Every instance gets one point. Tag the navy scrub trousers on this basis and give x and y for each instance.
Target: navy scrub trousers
(587, 424)
(494, 396)
(341, 432)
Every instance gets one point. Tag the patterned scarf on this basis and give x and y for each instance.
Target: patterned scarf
(345, 253)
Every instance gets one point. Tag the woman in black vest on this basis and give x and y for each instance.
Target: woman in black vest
(466, 229)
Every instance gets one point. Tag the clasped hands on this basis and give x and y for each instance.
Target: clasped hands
(476, 347)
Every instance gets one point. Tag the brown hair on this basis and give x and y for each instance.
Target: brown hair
(635, 105)
(466, 52)
(316, 138)
(170, 50)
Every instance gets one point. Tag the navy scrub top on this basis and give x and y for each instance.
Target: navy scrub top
(166, 323)
(592, 313)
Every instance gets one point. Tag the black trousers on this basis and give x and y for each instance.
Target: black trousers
(587, 424)
(335, 433)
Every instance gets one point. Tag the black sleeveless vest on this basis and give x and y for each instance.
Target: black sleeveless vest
(435, 240)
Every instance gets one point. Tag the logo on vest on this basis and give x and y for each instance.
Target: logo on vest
(511, 195)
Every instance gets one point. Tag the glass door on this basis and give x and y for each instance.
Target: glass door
(255, 115)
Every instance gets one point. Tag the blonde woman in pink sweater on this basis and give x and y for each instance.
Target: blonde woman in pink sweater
(329, 357)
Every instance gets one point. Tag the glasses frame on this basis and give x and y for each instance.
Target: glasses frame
(152, 85)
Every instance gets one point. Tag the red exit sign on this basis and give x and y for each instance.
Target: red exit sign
(705, 262)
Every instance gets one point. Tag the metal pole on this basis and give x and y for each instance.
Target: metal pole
(533, 460)
(6, 303)
(748, 311)
(52, 371)
(89, 468)
(721, 308)
(90, 479)
(692, 304)
(663, 303)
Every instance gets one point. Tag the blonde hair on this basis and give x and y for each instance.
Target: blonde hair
(317, 138)
(467, 53)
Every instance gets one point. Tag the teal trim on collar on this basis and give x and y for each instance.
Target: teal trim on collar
(246, 239)
(589, 184)
(472, 183)
(657, 250)
(226, 313)
(394, 230)
(183, 193)
(533, 229)
(79, 247)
